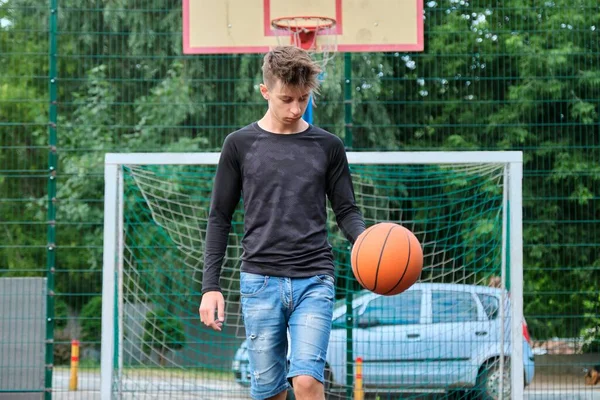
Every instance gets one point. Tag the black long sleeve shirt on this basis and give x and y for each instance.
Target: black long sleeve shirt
(284, 181)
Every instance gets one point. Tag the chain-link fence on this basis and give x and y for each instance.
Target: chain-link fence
(82, 78)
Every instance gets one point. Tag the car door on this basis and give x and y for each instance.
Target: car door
(496, 339)
(452, 338)
(386, 336)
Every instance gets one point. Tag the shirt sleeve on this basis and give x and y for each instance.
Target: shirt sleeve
(225, 196)
(340, 192)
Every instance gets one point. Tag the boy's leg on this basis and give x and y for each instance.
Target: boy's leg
(310, 327)
(264, 320)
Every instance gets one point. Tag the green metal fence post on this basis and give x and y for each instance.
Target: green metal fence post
(52, 164)
(349, 277)
(348, 100)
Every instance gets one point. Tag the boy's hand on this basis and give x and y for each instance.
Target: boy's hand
(211, 302)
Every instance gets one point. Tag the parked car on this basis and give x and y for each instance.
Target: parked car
(430, 338)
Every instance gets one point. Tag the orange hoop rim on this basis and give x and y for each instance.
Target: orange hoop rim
(303, 24)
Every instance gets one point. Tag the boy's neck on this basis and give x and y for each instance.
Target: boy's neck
(273, 125)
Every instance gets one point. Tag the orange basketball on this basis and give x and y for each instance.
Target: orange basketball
(387, 258)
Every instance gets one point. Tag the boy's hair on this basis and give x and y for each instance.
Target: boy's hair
(292, 66)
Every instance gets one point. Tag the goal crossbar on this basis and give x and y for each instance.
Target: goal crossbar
(367, 157)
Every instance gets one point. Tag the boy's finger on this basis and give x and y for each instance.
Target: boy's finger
(216, 325)
(207, 317)
(221, 310)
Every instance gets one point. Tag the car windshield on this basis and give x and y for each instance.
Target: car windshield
(401, 309)
(452, 307)
(384, 310)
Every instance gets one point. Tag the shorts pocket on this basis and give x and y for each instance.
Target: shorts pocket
(252, 284)
(326, 279)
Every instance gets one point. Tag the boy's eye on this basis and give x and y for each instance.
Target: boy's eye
(289, 99)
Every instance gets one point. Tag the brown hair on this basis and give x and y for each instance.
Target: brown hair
(292, 66)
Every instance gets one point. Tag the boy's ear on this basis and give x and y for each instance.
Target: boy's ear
(264, 91)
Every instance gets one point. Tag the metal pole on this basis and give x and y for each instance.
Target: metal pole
(515, 201)
(349, 276)
(348, 139)
(109, 266)
(51, 231)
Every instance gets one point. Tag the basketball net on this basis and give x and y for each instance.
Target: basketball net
(316, 35)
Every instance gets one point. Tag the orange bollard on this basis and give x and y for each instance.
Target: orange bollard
(74, 364)
(359, 393)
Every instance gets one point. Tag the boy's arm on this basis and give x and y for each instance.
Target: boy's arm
(340, 192)
(224, 199)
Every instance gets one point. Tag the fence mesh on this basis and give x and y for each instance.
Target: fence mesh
(82, 78)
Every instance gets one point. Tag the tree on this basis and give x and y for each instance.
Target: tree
(508, 75)
(91, 322)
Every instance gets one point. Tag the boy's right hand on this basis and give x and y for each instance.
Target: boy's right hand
(211, 302)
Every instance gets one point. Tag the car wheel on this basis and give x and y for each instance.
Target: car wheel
(489, 381)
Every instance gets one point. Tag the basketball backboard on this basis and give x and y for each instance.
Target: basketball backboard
(245, 26)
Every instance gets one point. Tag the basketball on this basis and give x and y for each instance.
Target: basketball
(387, 259)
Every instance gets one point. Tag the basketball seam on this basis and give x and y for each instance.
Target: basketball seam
(356, 257)
(380, 256)
(405, 268)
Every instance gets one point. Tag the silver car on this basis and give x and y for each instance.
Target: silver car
(433, 337)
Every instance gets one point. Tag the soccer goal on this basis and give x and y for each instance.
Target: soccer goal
(464, 207)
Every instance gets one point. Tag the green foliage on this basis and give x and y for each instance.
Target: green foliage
(591, 339)
(515, 75)
(62, 347)
(23, 118)
(62, 339)
(91, 322)
(61, 313)
(591, 330)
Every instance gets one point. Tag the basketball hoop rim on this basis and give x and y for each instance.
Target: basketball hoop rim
(285, 24)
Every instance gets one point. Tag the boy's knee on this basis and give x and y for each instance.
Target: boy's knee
(305, 385)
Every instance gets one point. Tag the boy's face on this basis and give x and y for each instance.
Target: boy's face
(286, 103)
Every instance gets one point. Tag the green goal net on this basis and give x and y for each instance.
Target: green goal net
(450, 330)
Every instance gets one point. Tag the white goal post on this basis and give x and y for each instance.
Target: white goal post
(117, 165)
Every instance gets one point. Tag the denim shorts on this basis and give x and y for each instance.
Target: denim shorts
(271, 305)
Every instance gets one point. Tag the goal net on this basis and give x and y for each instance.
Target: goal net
(464, 207)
